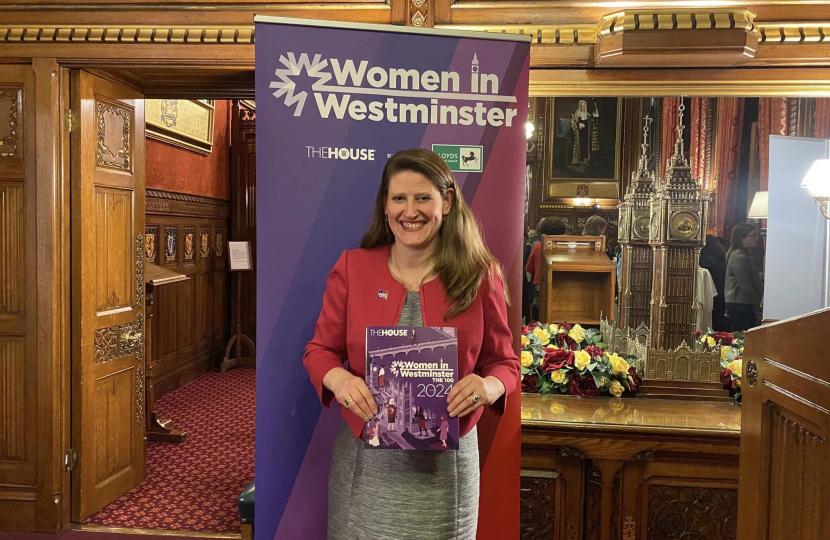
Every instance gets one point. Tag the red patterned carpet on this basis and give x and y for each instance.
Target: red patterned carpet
(194, 486)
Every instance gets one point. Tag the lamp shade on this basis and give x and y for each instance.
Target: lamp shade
(758, 208)
(817, 181)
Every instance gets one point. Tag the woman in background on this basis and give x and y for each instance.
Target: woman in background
(595, 226)
(549, 226)
(744, 292)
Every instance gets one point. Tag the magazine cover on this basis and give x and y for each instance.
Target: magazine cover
(410, 372)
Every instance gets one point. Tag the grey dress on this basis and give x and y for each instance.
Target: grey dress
(403, 495)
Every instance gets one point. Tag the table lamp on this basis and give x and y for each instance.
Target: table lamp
(817, 185)
(758, 208)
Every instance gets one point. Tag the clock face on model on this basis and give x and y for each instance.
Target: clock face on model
(684, 226)
(640, 227)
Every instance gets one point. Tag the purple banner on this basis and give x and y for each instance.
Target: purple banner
(333, 102)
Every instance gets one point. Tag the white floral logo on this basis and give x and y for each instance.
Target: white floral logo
(286, 86)
(396, 367)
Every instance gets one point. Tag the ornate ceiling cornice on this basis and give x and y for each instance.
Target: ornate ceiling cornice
(107, 34)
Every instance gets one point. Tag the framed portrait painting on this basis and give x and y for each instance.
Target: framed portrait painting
(582, 144)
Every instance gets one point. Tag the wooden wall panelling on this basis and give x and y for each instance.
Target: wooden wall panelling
(192, 323)
(785, 459)
(18, 310)
(33, 299)
(243, 204)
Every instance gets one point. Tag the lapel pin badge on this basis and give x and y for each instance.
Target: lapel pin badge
(383, 295)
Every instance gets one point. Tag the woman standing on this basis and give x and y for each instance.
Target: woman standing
(422, 262)
(744, 292)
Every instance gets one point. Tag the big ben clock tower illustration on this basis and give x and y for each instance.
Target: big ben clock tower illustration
(637, 258)
(677, 232)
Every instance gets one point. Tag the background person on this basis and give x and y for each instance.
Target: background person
(533, 266)
(744, 292)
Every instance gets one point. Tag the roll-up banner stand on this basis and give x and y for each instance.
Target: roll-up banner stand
(334, 101)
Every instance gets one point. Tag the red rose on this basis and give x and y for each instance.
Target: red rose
(529, 384)
(594, 351)
(636, 378)
(565, 326)
(526, 330)
(724, 338)
(726, 377)
(582, 386)
(557, 359)
(697, 332)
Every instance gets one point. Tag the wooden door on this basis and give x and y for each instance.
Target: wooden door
(107, 149)
(785, 424)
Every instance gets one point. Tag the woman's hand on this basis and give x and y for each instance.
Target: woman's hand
(346, 386)
(461, 402)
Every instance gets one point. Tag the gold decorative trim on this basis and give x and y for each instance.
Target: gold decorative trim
(139, 394)
(119, 341)
(771, 33)
(147, 35)
(629, 529)
(542, 34)
(673, 19)
(139, 272)
(793, 33)
(154, 532)
(9, 144)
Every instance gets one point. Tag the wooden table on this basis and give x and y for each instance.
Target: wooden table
(577, 282)
(609, 468)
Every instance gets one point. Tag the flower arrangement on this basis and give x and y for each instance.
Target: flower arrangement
(569, 359)
(731, 347)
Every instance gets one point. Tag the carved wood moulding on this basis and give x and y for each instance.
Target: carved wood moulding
(119, 341)
(184, 204)
(148, 35)
(538, 504)
(692, 512)
(648, 38)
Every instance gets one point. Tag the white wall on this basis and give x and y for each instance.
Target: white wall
(795, 231)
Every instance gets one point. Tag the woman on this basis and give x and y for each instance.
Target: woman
(444, 429)
(594, 226)
(743, 282)
(422, 262)
(422, 423)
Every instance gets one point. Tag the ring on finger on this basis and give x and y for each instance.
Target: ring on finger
(349, 400)
(475, 398)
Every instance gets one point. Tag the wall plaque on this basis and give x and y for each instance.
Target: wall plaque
(181, 122)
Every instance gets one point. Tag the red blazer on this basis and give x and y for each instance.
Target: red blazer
(352, 302)
(534, 262)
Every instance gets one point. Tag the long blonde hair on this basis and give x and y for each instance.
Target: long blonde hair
(460, 259)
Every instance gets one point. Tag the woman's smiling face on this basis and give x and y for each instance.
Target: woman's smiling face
(415, 209)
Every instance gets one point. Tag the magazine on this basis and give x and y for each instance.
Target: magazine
(410, 372)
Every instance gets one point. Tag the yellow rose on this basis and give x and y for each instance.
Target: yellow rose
(556, 408)
(553, 328)
(615, 405)
(525, 341)
(543, 335)
(710, 341)
(703, 339)
(618, 364)
(724, 352)
(577, 333)
(742, 350)
(527, 358)
(603, 381)
(738, 383)
(736, 367)
(581, 360)
(616, 389)
(558, 376)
